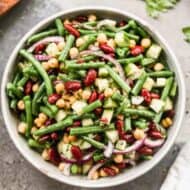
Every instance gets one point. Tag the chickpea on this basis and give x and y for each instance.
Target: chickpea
(95, 175)
(59, 88)
(118, 158)
(73, 53)
(167, 122)
(35, 87)
(115, 168)
(46, 65)
(45, 154)
(61, 45)
(102, 38)
(38, 122)
(92, 18)
(65, 138)
(108, 92)
(158, 66)
(132, 43)
(20, 105)
(67, 21)
(120, 117)
(72, 99)
(111, 43)
(86, 94)
(72, 138)
(43, 117)
(53, 63)
(139, 134)
(61, 166)
(145, 42)
(103, 173)
(60, 103)
(22, 126)
(80, 42)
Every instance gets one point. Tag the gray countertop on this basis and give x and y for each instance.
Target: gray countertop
(15, 172)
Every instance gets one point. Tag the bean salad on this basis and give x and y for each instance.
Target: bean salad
(93, 96)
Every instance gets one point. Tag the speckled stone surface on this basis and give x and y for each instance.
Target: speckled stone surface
(15, 172)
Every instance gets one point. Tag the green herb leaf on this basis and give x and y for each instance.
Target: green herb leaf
(154, 7)
(186, 31)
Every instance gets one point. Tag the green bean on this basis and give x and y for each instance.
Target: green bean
(54, 127)
(16, 91)
(117, 97)
(85, 58)
(173, 91)
(37, 95)
(13, 104)
(41, 35)
(164, 96)
(16, 78)
(46, 111)
(161, 74)
(87, 32)
(98, 156)
(139, 112)
(108, 34)
(40, 70)
(22, 81)
(74, 169)
(131, 59)
(118, 79)
(132, 36)
(147, 61)
(121, 52)
(141, 32)
(128, 126)
(59, 25)
(64, 77)
(82, 73)
(90, 40)
(91, 106)
(28, 110)
(65, 52)
(131, 24)
(23, 117)
(85, 65)
(94, 143)
(88, 130)
(30, 71)
(34, 144)
(138, 86)
(142, 124)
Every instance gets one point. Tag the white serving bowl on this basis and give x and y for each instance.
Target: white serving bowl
(50, 170)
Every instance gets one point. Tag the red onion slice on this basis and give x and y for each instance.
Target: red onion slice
(55, 39)
(131, 148)
(153, 143)
(107, 57)
(94, 169)
(42, 57)
(108, 150)
(66, 170)
(86, 158)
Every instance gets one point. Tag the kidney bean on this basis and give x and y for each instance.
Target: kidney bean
(76, 152)
(101, 96)
(90, 77)
(49, 122)
(155, 95)
(169, 113)
(77, 123)
(39, 49)
(28, 87)
(155, 134)
(106, 49)
(145, 150)
(72, 85)
(122, 23)
(81, 18)
(152, 126)
(72, 30)
(146, 94)
(119, 125)
(53, 98)
(137, 50)
(44, 138)
(54, 156)
(98, 138)
(109, 171)
(93, 97)
(98, 111)
(130, 82)
(54, 136)
(129, 138)
(121, 165)
(53, 71)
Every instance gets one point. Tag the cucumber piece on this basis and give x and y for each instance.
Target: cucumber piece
(168, 104)
(121, 39)
(112, 135)
(102, 84)
(85, 145)
(74, 169)
(107, 114)
(121, 145)
(160, 82)
(86, 167)
(154, 51)
(149, 83)
(133, 71)
(78, 106)
(147, 61)
(141, 124)
(87, 122)
(61, 114)
(157, 105)
(65, 149)
(109, 103)
(103, 72)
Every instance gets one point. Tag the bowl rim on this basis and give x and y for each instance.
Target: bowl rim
(157, 158)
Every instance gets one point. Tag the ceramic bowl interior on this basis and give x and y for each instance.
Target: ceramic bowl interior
(36, 160)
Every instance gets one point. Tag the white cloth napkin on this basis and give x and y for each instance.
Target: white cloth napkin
(178, 177)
